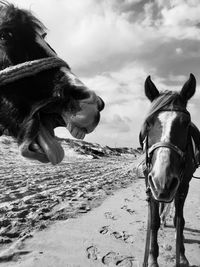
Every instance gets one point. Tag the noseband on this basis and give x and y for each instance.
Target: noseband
(167, 145)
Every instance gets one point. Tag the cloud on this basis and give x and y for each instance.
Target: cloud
(126, 105)
(91, 32)
(179, 19)
(179, 50)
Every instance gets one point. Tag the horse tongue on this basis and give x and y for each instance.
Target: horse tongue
(50, 146)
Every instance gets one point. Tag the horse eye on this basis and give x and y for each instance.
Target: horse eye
(44, 35)
(5, 35)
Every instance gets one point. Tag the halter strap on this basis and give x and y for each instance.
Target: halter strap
(176, 108)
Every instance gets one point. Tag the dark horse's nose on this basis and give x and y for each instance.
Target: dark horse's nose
(101, 104)
(163, 190)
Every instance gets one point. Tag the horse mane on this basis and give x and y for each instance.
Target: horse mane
(12, 16)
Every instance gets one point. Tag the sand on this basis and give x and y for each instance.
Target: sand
(112, 234)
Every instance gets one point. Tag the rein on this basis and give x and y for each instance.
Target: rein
(148, 233)
(29, 68)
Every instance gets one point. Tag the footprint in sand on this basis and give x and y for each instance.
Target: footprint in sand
(115, 259)
(104, 230)
(128, 238)
(111, 258)
(92, 253)
(128, 200)
(109, 215)
(124, 236)
(116, 234)
(127, 262)
(130, 211)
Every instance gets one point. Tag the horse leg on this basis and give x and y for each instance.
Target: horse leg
(179, 204)
(155, 225)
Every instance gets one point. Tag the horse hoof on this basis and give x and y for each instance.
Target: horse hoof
(183, 262)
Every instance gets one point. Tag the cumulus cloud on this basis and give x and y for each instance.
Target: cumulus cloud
(179, 50)
(90, 31)
(126, 105)
(180, 20)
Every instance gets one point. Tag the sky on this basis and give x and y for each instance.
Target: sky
(113, 45)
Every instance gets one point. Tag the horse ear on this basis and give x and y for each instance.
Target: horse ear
(189, 88)
(150, 89)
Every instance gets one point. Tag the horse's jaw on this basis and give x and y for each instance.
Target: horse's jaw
(44, 148)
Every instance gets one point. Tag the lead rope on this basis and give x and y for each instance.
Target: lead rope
(148, 232)
(148, 199)
(29, 68)
(178, 227)
(178, 237)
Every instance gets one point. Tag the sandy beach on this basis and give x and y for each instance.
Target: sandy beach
(103, 226)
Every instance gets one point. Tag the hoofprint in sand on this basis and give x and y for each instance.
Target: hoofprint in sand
(48, 210)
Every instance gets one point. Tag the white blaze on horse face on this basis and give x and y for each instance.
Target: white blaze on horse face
(163, 154)
(166, 119)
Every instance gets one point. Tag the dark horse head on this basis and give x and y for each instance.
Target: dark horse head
(31, 107)
(166, 135)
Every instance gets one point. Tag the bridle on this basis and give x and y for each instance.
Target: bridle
(150, 150)
(163, 144)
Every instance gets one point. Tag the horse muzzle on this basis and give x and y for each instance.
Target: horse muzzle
(163, 188)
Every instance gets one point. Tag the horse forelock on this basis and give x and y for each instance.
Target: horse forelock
(166, 100)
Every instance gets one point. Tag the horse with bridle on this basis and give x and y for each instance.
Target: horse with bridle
(167, 140)
(38, 90)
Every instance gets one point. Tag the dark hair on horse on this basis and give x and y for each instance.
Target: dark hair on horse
(13, 14)
(166, 100)
(18, 30)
